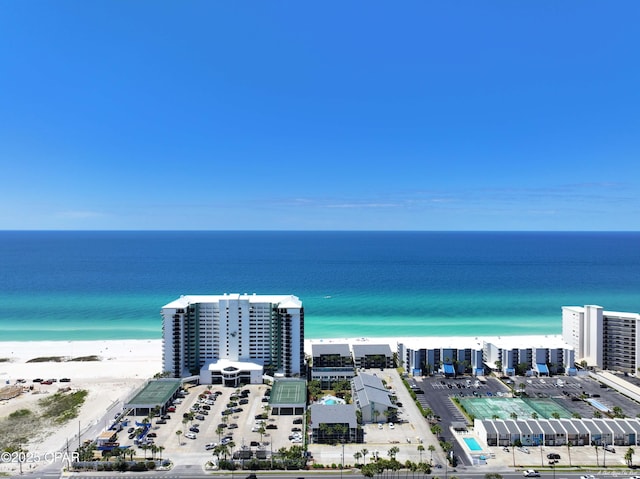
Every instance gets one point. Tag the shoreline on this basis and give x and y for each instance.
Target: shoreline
(148, 352)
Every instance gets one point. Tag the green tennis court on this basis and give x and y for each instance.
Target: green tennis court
(288, 392)
(505, 408)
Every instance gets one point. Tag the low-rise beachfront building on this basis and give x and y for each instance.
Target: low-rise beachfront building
(334, 424)
(200, 330)
(372, 398)
(448, 355)
(372, 355)
(530, 355)
(558, 432)
(331, 362)
(603, 339)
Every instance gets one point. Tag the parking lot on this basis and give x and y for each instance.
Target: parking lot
(439, 391)
(238, 427)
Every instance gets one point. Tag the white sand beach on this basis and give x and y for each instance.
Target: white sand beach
(123, 367)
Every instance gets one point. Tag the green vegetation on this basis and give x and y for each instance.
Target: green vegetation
(20, 413)
(21, 425)
(47, 359)
(86, 358)
(62, 407)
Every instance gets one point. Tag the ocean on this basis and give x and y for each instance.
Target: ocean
(86, 285)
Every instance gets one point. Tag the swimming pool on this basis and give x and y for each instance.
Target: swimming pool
(331, 400)
(472, 444)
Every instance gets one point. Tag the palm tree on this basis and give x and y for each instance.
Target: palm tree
(569, 452)
(160, 449)
(628, 456)
(393, 451)
(431, 449)
(364, 452)
(436, 429)
(420, 451)
(428, 413)
(221, 449)
(618, 412)
(357, 455)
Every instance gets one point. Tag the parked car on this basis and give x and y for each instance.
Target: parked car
(190, 435)
(553, 455)
(271, 426)
(200, 417)
(65, 380)
(531, 473)
(161, 421)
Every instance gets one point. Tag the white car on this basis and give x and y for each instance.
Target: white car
(531, 473)
(210, 446)
(391, 426)
(379, 425)
(588, 476)
(190, 435)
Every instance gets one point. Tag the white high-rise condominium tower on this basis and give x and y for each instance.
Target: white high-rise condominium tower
(604, 339)
(236, 332)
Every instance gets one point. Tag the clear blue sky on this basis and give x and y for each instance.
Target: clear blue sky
(412, 115)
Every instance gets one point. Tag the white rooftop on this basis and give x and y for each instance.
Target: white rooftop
(284, 300)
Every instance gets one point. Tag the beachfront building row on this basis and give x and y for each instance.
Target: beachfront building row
(536, 356)
(331, 362)
(232, 339)
(603, 339)
(531, 355)
(558, 432)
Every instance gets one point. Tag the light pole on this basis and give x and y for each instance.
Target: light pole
(342, 465)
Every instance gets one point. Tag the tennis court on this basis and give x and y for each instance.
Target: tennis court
(504, 408)
(288, 392)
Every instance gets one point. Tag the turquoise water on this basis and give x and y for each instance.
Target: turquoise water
(111, 285)
(472, 444)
